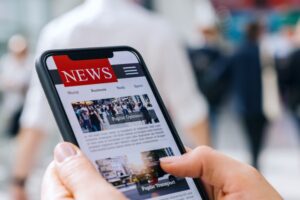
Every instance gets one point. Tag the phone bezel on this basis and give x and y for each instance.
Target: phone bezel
(60, 113)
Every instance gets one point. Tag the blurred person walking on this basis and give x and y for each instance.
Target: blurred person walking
(209, 64)
(291, 80)
(113, 23)
(15, 72)
(207, 58)
(246, 76)
(283, 45)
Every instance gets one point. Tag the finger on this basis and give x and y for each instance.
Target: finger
(207, 187)
(52, 188)
(203, 162)
(78, 174)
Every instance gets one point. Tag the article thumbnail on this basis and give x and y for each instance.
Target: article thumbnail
(139, 176)
(106, 114)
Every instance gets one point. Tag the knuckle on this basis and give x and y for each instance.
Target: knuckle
(74, 166)
(203, 151)
(199, 157)
(252, 172)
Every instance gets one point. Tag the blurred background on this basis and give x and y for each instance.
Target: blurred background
(218, 36)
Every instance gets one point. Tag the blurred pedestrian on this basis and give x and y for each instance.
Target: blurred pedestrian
(292, 84)
(209, 63)
(15, 72)
(246, 75)
(113, 23)
(292, 79)
(283, 46)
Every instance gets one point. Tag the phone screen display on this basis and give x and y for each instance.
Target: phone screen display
(119, 124)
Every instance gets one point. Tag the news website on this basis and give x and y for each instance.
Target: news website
(119, 124)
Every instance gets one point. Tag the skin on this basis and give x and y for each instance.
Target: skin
(28, 143)
(226, 179)
(72, 176)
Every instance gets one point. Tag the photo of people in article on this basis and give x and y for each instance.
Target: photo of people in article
(107, 114)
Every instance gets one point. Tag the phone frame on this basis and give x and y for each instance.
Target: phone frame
(60, 113)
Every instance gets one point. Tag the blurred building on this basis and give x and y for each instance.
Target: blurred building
(28, 17)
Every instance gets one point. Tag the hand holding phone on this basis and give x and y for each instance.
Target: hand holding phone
(67, 176)
(105, 102)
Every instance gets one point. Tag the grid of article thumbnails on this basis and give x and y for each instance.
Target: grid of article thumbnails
(138, 176)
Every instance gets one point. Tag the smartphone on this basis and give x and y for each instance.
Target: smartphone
(105, 101)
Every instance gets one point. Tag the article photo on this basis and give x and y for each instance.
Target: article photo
(139, 176)
(106, 114)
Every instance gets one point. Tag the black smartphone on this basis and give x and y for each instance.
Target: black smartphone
(105, 101)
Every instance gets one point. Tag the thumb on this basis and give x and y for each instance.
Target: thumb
(79, 176)
(212, 167)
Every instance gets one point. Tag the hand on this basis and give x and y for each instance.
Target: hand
(18, 193)
(224, 177)
(71, 176)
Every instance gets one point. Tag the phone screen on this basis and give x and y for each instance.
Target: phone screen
(119, 124)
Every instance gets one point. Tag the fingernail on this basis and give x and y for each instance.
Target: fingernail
(170, 159)
(64, 151)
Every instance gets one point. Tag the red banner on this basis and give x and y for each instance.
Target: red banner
(84, 72)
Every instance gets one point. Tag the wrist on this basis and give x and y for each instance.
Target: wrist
(19, 181)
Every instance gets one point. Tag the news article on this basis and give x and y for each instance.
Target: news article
(139, 176)
(107, 114)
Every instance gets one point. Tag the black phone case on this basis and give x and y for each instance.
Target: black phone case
(60, 114)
